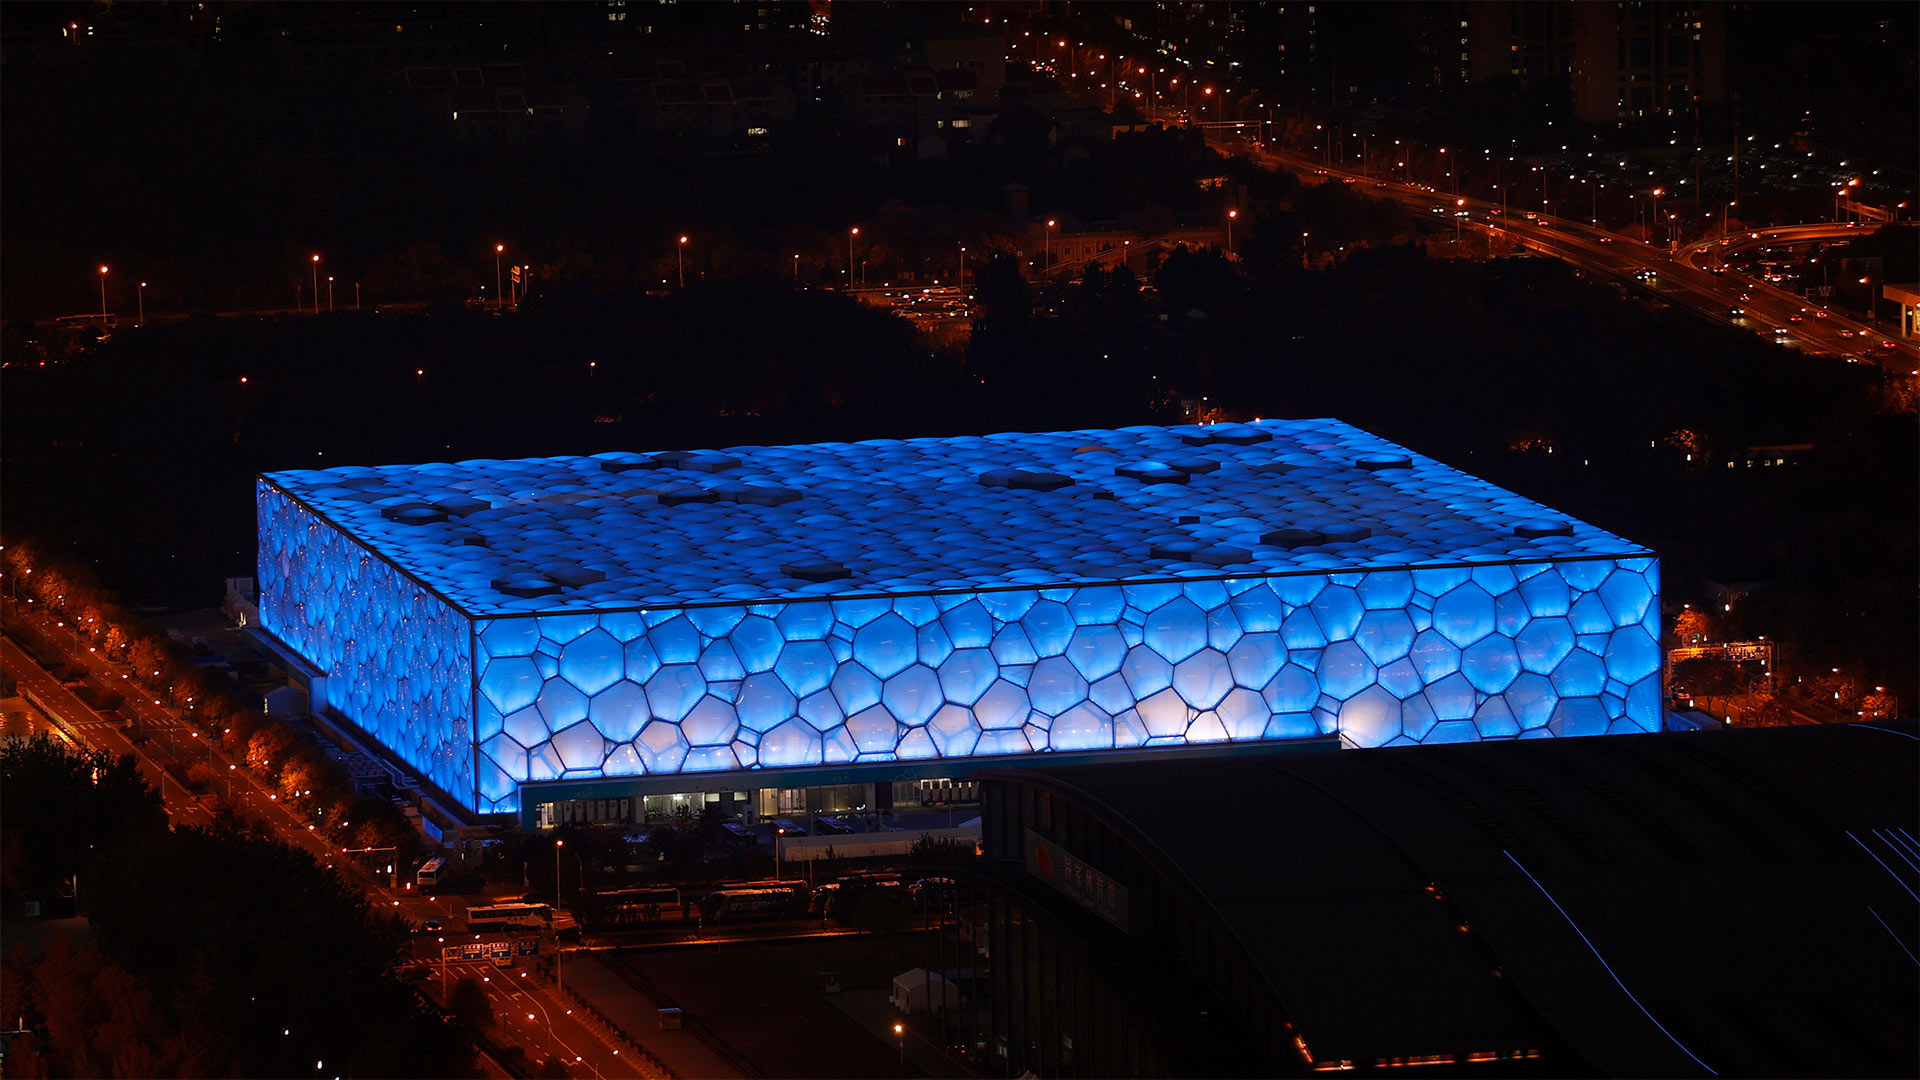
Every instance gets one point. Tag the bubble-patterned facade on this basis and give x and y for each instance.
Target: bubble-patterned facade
(765, 608)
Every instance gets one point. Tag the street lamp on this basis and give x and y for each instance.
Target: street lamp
(143, 303)
(796, 271)
(557, 845)
(316, 284)
(103, 297)
(679, 261)
(963, 266)
(499, 298)
(329, 292)
(851, 233)
(1046, 246)
(1231, 214)
(900, 1034)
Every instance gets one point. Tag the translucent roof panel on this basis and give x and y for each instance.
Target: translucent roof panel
(1020, 510)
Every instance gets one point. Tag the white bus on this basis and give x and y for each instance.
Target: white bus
(428, 876)
(501, 915)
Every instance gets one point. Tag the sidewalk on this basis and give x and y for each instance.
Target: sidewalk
(636, 1016)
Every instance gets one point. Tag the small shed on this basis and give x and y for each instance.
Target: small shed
(917, 990)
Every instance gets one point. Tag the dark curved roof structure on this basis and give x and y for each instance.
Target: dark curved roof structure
(1739, 903)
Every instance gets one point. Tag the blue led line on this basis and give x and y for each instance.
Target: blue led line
(1603, 963)
(1884, 866)
(1906, 839)
(1891, 841)
(1894, 936)
(1889, 731)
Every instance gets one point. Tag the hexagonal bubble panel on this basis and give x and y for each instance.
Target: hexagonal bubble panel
(510, 637)
(805, 666)
(913, 695)
(1543, 643)
(1083, 727)
(711, 722)
(1490, 664)
(661, 747)
(620, 711)
(1049, 626)
(1055, 685)
(560, 704)
(1097, 651)
(764, 701)
(1385, 636)
(886, 645)
(1203, 679)
(675, 689)
(593, 661)
(580, 746)
(1338, 610)
(1176, 630)
(1370, 718)
(792, 743)
(1004, 705)
(1464, 615)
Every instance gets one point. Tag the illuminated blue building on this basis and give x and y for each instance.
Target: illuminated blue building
(753, 613)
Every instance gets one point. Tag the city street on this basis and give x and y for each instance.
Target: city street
(1684, 278)
(587, 1048)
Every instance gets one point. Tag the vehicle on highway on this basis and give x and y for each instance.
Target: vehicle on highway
(624, 907)
(429, 926)
(429, 873)
(1746, 298)
(1736, 312)
(1436, 209)
(1779, 331)
(759, 900)
(1820, 314)
(1888, 343)
(497, 916)
(830, 826)
(1644, 274)
(1796, 318)
(1606, 239)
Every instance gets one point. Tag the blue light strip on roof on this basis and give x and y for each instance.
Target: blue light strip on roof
(1603, 963)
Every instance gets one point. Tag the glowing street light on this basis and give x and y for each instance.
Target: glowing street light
(143, 303)
(329, 292)
(680, 262)
(851, 233)
(1046, 246)
(499, 299)
(316, 284)
(103, 297)
(1231, 214)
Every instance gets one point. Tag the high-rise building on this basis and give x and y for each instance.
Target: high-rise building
(1636, 61)
(1619, 63)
